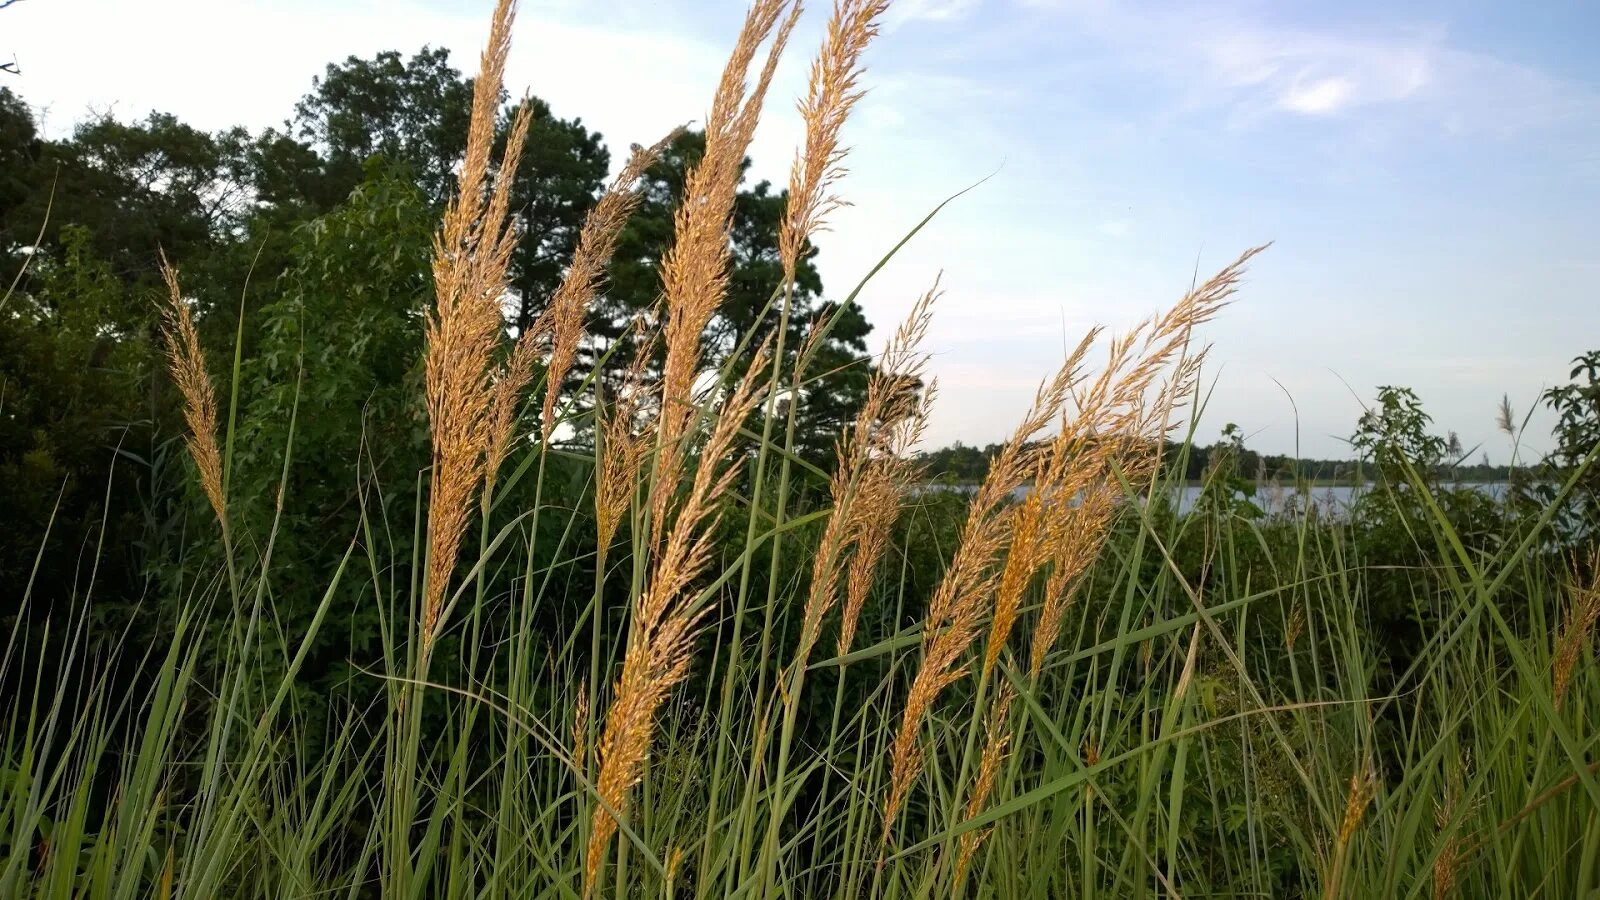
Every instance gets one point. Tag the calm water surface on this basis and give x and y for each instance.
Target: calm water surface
(1278, 500)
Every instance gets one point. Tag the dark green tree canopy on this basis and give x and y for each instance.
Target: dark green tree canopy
(412, 111)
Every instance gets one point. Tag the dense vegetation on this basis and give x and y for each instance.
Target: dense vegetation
(441, 522)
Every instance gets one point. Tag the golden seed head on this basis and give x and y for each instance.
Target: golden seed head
(830, 96)
(1577, 628)
(186, 362)
(471, 260)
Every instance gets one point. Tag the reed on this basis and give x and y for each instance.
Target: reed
(471, 261)
(694, 272)
(665, 622)
(186, 363)
(1576, 630)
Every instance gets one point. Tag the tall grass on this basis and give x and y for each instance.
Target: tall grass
(774, 679)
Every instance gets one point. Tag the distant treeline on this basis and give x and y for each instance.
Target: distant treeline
(960, 463)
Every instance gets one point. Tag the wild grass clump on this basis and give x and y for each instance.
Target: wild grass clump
(700, 664)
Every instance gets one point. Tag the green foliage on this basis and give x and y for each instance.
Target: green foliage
(1226, 488)
(413, 112)
(338, 353)
(1394, 437)
(75, 376)
(1577, 433)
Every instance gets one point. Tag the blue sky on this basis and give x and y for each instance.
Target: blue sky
(1429, 172)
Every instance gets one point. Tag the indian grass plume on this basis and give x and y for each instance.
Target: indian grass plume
(694, 271)
(1117, 436)
(996, 741)
(830, 96)
(665, 622)
(674, 863)
(1447, 865)
(471, 256)
(1063, 522)
(890, 481)
(597, 242)
(562, 318)
(1576, 631)
(881, 499)
(1024, 557)
(186, 362)
(872, 477)
(955, 613)
(1295, 627)
(580, 729)
(619, 448)
(1363, 788)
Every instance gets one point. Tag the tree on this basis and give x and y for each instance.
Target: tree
(20, 149)
(339, 351)
(413, 114)
(1577, 434)
(76, 446)
(1226, 487)
(1394, 437)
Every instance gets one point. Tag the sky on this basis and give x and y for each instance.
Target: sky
(1428, 173)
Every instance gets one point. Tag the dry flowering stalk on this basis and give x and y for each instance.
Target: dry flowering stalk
(1063, 522)
(872, 479)
(580, 730)
(694, 272)
(1363, 787)
(471, 256)
(955, 613)
(882, 495)
(1576, 630)
(596, 244)
(562, 319)
(187, 363)
(996, 741)
(665, 622)
(694, 280)
(620, 450)
(1447, 865)
(1117, 436)
(830, 96)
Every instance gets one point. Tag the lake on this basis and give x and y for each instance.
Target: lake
(1275, 500)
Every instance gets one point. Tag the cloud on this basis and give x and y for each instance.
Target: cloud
(931, 10)
(1318, 97)
(1259, 69)
(1256, 67)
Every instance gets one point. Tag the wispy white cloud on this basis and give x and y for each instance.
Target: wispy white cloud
(931, 10)
(1233, 58)
(1319, 96)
